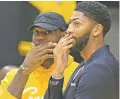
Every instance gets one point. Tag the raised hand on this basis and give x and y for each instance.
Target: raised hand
(61, 53)
(37, 55)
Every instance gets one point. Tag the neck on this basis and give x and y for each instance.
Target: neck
(47, 63)
(90, 48)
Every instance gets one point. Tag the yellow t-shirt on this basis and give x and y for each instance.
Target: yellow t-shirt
(37, 83)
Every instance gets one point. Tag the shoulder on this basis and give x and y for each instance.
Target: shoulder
(11, 73)
(8, 78)
(97, 76)
(96, 81)
(97, 70)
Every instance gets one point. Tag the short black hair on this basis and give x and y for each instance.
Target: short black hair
(97, 12)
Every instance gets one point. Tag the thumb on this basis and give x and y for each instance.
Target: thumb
(33, 45)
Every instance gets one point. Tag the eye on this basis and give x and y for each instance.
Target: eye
(35, 32)
(77, 24)
(48, 32)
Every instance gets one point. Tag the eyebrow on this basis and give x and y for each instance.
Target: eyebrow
(75, 19)
(40, 30)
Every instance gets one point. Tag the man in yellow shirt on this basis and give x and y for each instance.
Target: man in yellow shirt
(31, 80)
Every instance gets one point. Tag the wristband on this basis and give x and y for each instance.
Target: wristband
(24, 69)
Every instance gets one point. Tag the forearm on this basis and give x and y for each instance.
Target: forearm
(55, 86)
(17, 85)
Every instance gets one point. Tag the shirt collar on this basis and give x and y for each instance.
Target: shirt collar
(44, 70)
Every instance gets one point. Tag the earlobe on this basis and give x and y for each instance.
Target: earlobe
(95, 34)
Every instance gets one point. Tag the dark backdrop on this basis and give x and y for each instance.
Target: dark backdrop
(15, 17)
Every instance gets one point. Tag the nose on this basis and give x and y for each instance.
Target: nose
(70, 29)
(37, 40)
(39, 37)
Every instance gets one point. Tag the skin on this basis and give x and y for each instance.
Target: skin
(41, 53)
(40, 37)
(79, 25)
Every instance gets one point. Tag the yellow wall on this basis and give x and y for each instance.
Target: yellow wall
(64, 8)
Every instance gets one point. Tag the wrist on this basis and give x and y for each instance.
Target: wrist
(57, 74)
(25, 69)
(59, 68)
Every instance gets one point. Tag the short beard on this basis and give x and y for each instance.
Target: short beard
(81, 42)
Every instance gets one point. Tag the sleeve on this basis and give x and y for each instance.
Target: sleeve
(54, 90)
(4, 94)
(96, 83)
(68, 73)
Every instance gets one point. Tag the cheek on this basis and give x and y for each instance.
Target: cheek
(82, 30)
(53, 38)
(33, 39)
(78, 32)
(49, 39)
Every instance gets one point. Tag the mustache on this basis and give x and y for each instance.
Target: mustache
(80, 42)
(73, 37)
(65, 33)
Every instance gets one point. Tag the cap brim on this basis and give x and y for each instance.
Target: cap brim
(44, 25)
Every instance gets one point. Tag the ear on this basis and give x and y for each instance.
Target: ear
(97, 30)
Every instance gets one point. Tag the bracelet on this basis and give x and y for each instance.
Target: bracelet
(57, 78)
(24, 69)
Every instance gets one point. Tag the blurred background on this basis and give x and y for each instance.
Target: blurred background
(16, 16)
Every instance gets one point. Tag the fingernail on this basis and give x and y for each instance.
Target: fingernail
(32, 45)
(55, 43)
(50, 42)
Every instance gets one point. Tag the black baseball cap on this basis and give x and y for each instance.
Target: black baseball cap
(50, 21)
